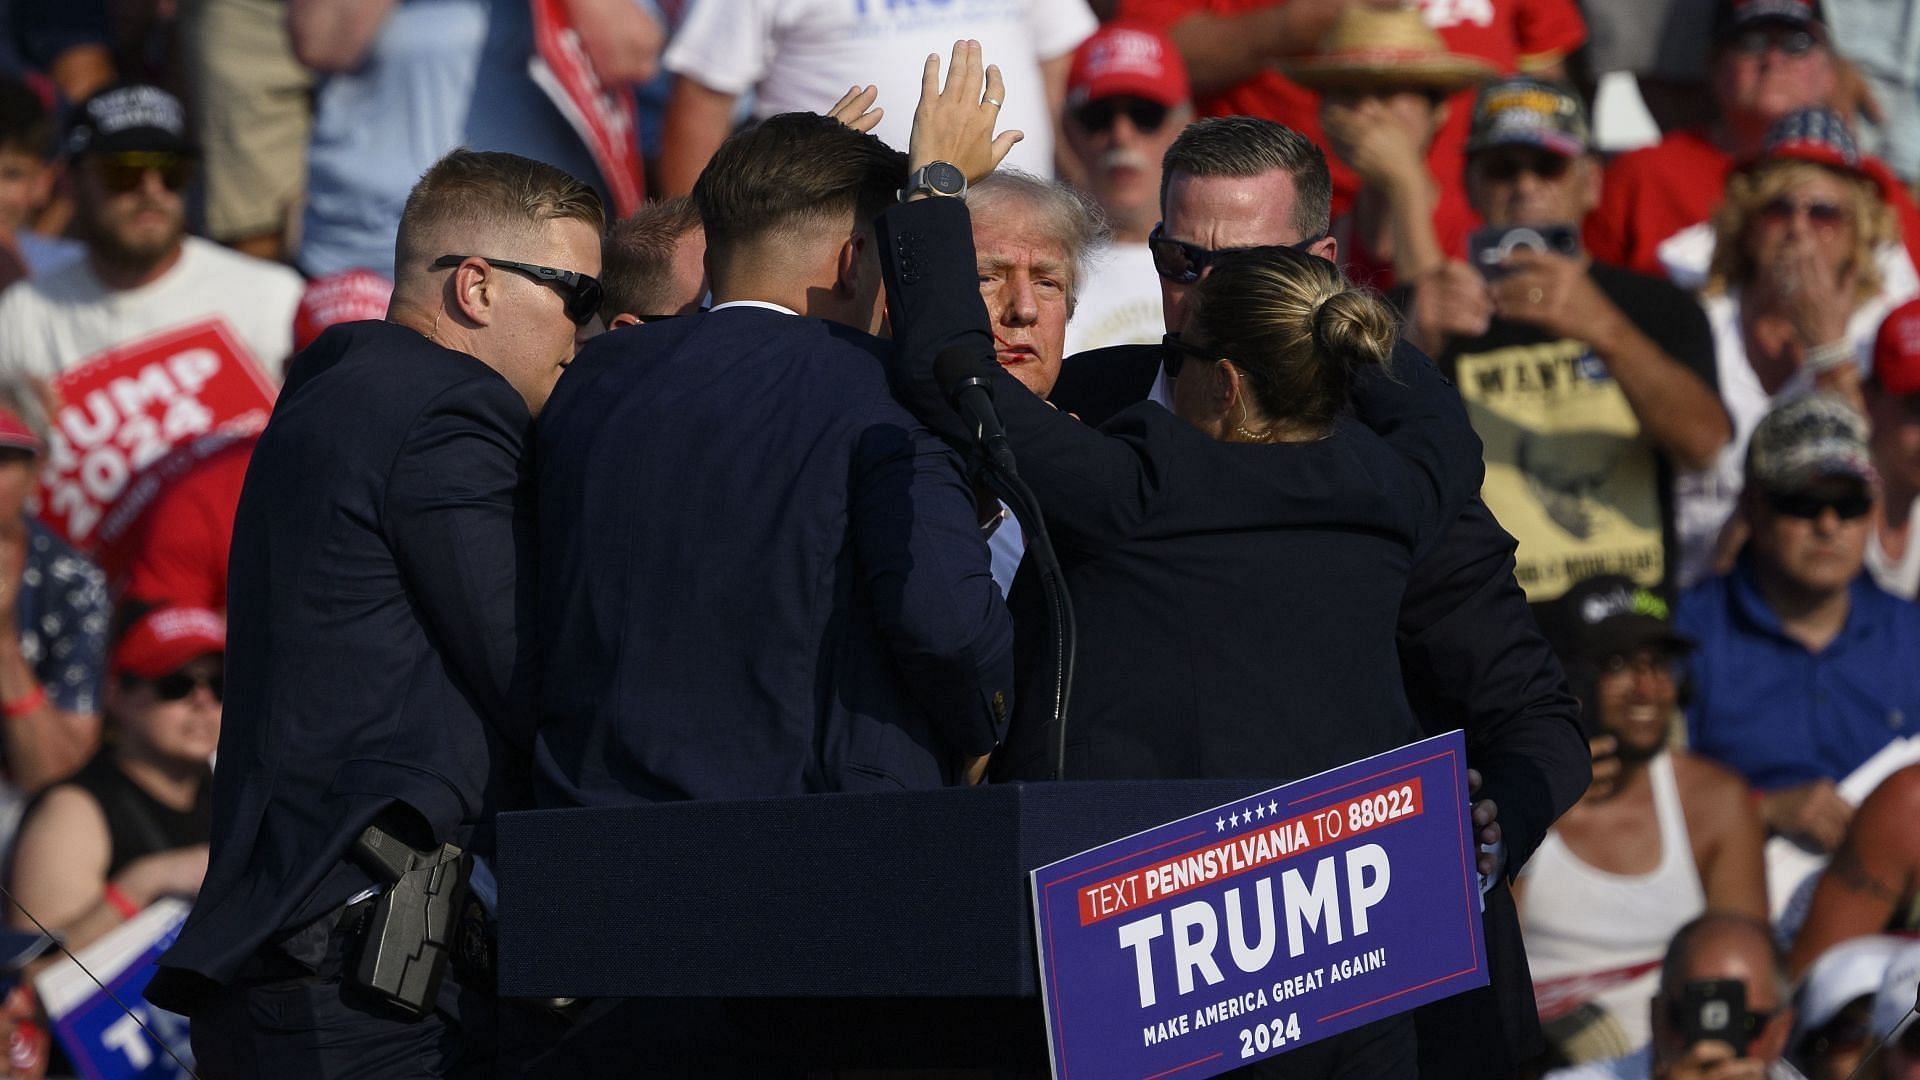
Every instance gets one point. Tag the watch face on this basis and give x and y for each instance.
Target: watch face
(945, 179)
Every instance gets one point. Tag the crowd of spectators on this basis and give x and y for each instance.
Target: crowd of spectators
(1694, 366)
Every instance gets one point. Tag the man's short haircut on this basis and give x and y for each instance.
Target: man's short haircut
(25, 124)
(1243, 146)
(478, 195)
(793, 171)
(1680, 950)
(636, 262)
(1061, 213)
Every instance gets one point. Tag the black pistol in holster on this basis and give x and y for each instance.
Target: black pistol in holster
(409, 934)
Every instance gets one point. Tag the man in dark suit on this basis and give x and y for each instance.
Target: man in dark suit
(762, 576)
(378, 668)
(1470, 653)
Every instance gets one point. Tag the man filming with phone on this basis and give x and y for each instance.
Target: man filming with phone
(1588, 384)
(1721, 1013)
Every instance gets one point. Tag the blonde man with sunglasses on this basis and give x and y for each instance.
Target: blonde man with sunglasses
(133, 164)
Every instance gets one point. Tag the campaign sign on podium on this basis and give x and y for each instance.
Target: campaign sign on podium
(1263, 925)
(104, 1040)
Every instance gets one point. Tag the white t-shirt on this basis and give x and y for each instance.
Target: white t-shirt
(1901, 576)
(1119, 302)
(801, 55)
(52, 323)
(1703, 500)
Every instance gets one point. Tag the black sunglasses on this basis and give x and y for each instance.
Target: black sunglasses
(580, 292)
(1146, 116)
(182, 684)
(1183, 263)
(1174, 353)
(1850, 507)
(121, 173)
(1788, 42)
(1506, 166)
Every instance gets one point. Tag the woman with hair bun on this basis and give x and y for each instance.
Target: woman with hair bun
(1236, 564)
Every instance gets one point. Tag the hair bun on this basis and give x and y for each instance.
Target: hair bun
(1354, 326)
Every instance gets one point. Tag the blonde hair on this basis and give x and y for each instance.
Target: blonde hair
(1874, 222)
(1297, 327)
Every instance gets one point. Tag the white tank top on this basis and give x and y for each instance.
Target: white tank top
(1597, 936)
(1901, 576)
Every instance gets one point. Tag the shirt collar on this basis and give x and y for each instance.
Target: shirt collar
(1744, 587)
(768, 304)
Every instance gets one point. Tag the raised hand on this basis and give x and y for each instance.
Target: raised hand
(955, 123)
(856, 108)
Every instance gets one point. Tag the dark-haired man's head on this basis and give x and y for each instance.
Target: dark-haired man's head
(26, 149)
(1236, 182)
(132, 161)
(788, 206)
(654, 264)
(498, 257)
(1769, 58)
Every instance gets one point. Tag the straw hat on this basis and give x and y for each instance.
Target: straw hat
(1368, 47)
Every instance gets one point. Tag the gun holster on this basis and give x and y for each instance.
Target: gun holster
(408, 936)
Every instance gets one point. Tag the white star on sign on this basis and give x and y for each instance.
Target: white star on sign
(1259, 811)
(1235, 818)
(1219, 824)
(1273, 807)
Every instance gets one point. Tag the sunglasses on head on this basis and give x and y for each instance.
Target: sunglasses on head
(121, 173)
(580, 293)
(1183, 263)
(1820, 213)
(1786, 42)
(1506, 166)
(182, 684)
(1848, 507)
(1145, 116)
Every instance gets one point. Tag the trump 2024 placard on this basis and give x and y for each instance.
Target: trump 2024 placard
(1260, 926)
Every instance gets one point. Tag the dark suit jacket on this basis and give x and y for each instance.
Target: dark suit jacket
(1472, 658)
(374, 646)
(1232, 599)
(759, 575)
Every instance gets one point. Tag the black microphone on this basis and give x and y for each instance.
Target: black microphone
(968, 387)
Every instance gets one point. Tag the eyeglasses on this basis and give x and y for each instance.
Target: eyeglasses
(1175, 350)
(1641, 663)
(1183, 263)
(182, 684)
(580, 292)
(1505, 166)
(1820, 213)
(1794, 43)
(121, 173)
(1146, 116)
(1849, 507)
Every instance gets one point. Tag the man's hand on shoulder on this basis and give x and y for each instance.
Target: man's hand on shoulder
(955, 123)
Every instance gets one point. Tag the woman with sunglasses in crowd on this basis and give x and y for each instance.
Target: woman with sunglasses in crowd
(1807, 262)
(131, 826)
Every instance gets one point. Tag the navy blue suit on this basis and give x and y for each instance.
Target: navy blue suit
(760, 576)
(375, 653)
(1472, 658)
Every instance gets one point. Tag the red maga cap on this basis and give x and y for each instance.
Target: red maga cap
(167, 640)
(1127, 60)
(16, 435)
(349, 296)
(1896, 352)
